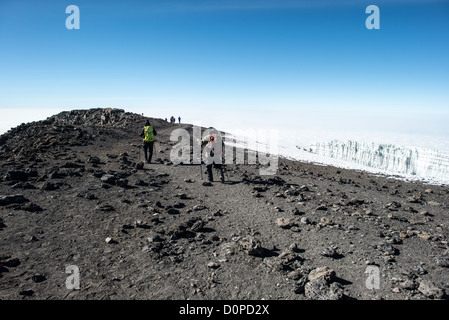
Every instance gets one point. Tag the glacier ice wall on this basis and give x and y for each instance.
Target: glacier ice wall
(410, 161)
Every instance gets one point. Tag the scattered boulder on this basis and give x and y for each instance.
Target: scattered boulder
(140, 165)
(386, 248)
(320, 285)
(430, 290)
(300, 285)
(121, 183)
(186, 229)
(109, 178)
(416, 198)
(155, 238)
(305, 220)
(418, 270)
(408, 284)
(288, 260)
(285, 223)
(355, 202)
(323, 272)
(320, 289)
(393, 206)
(213, 265)
(109, 240)
(94, 159)
(31, 207)
(197, 226)
(329, 252)
(326, 221)
(295, 274)
(250, 246)
(442, 261)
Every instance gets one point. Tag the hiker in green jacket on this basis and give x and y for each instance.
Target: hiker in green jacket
(148, 134)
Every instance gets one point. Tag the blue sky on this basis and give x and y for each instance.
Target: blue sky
(279, 57)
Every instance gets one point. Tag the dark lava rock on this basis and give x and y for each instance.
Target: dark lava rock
(328, 252)
(121, 183)
(10, 199)
(93, 160)
(300, 284)
(387, 248)
(26, 292)
(393, 206)
(31, 207)
(172, 211)
(109, 178)
(12, 263)
(49, 186)
(16, 175)
(38, 278)
(105, 208)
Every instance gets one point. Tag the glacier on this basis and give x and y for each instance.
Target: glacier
(409, 162)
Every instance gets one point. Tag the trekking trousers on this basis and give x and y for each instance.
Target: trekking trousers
(209, 171)
(148, 150)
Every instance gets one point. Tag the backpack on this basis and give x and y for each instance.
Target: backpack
(148, 134)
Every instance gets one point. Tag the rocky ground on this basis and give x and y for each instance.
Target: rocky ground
(73, 192)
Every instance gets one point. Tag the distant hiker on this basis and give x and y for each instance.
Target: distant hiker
(165, 119)
(179, 119)
(148, 134)
(213, 150)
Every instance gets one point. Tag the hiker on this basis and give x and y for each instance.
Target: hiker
(213, 148)
(179, 119)
(148, 134)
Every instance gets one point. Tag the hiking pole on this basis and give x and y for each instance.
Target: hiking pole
(154, 150)
(139, 147)
(139, 152)
(225, 172)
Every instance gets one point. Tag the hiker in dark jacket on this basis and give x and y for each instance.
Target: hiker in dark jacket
(148, 134)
